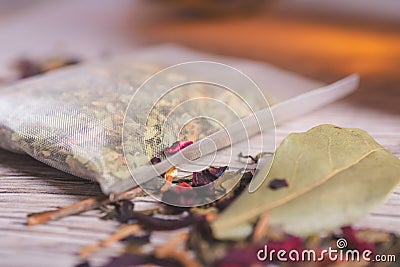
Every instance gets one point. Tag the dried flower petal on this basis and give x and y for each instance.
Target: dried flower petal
(217, 171)
(354, 243)
(184, 185)
(207, 176)
(178, 145)
(183, 194)
(202, 178)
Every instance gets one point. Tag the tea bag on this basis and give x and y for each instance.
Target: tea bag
(73, 119)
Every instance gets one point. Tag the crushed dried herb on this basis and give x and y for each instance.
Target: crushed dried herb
(124, 211)
(207, 176)
(277, 183)
(256, 158)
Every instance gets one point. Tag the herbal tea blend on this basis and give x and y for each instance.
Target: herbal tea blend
(283, 214)
(72, 119)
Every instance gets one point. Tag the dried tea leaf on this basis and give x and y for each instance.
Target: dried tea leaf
(207, 176)
(227, 181)
(124, 211)
(335, 176)
(254, 159)
(276, 184)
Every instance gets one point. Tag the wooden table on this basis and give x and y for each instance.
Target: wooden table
(324, 51)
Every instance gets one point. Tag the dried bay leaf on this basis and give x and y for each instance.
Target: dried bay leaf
(335, 176)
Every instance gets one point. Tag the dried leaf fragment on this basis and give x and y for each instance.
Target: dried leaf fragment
(336, 176)
(278, 183)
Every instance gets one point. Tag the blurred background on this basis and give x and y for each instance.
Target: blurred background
(324, 40)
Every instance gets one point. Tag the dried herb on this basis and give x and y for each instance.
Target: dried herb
(207, 176)
(137, 240)
(155, 160)
(239, 180)
(178, 145)
(171, 250)
(171, 174)
(77, 208)
(182, 193)
(354, 242)
(153, 223)
(123, 232)
(27, 67)
(217, 171)
(278, 183)
(254, 159)
(329, 169)
(204, 240)
(124, 211)
(79, 129)
(85, 205)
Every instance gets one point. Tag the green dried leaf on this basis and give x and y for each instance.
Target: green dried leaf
(227, 181)
(335, 176)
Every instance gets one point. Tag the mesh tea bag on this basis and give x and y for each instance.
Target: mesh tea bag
(74, 119)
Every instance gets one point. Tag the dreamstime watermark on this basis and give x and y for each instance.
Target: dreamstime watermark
(340, 253)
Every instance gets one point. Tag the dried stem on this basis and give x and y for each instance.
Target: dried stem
(170, 250)
(261, 228)
(123, 232)
(77, 208)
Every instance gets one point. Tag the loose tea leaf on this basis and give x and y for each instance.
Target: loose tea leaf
(335, 176)
(278, 183)
(26, 67)
(254, 159)
(124, 211)
(207, 176)
(182, 192)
